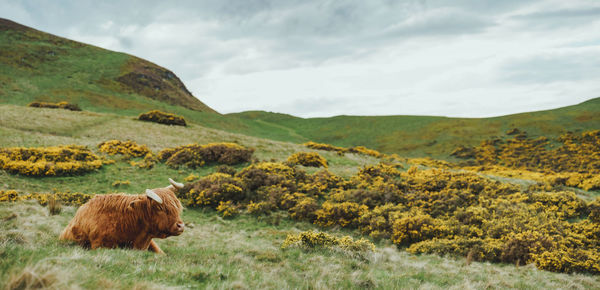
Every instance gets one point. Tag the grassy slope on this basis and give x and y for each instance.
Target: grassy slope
(215, 253)
(431, 136)
(38, 66)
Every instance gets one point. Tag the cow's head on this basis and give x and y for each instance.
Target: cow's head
(164, 210)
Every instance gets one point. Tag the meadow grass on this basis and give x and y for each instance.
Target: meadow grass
(241, 253)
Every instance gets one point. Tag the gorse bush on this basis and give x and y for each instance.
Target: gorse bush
(311, 159)
(162, 118)
(147, 163)
(341, 150)
(66, 198)
(214, 189)
(312, 240)
(436, 211)
(121, 183)
(195, 155)
(574, 162)
(227, 209)
(49, 161)
(126, 148)
(59, 105)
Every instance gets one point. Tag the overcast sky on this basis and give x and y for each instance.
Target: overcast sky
(467, 58)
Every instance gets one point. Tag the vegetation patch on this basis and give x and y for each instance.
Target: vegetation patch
(49, 161)
(341, 150)
(570, 160)
(126, 148)
(313, 240)
(425, 211)
(311, 159)
(59, 105)
(157, 116)
(196, 155)
(66, 198)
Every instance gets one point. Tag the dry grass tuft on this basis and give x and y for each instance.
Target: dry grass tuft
(54, 205)
(36, 277)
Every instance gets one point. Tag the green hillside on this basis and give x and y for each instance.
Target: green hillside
(36, 66)
(430, 136)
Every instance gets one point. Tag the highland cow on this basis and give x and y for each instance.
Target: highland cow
(127, 221)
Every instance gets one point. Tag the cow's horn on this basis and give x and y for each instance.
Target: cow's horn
(176, 184)
(151, 194)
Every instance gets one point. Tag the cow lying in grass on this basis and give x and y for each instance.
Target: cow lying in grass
(127, 221)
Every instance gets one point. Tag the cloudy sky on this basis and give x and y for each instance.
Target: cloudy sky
(467, 58)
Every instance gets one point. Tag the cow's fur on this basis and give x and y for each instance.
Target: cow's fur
(127, 221)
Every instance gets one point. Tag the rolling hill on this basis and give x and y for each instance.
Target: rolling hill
(37, 66)
(417, 136)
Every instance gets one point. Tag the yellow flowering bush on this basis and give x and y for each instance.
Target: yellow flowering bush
(49, 161)
(259, 208)
(377, 223)
(575, 162)
(157, 116)
(341, 150)
(227, 209)
(304, 209)
(344, 214)
(311, 159)
(594, 209)
(147, 163)
(417, 227)
(121, 183)
(59, 105)
(312, 240)
(66, 198)
(213, 189)
(9, 195)
(126, 148)
(325, 147)
(196, 155)
(191, 177)
(268, 173)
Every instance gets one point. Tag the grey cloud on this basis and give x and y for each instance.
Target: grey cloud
(553, 68)
(563, 18)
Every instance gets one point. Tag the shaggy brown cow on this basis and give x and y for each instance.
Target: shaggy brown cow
(127, 221)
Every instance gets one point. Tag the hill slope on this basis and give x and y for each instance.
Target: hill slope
(430, 136)
(38, 66)
(41, 66)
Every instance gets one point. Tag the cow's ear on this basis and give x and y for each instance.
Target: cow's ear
(135, 204)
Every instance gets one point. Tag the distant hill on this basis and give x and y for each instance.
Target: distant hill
(40, 66)
(37, 66)
(430, 136)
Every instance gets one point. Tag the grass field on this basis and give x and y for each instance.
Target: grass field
(243, 253)
(215, 253)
